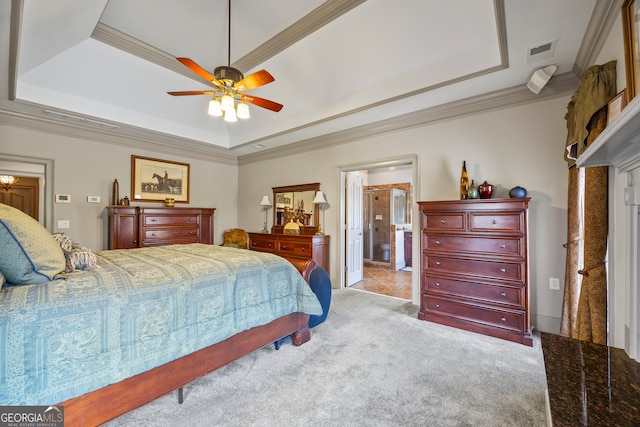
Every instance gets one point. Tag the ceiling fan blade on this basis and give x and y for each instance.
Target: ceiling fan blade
(254, 80)
(264, 103)
(192, 92)
(199, 71)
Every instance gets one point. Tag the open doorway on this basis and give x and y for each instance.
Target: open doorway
(34, 172)
(382, 245)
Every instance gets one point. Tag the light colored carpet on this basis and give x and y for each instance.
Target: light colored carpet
(371, 363)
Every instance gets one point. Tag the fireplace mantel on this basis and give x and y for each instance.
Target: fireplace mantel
(618, 144)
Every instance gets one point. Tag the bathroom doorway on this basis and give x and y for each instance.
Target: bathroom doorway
(384, 264)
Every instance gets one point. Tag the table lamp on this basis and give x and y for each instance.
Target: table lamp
(266, 204)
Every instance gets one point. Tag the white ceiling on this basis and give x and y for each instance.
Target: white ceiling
(339, 65)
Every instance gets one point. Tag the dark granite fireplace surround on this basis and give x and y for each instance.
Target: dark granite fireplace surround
(590, 384)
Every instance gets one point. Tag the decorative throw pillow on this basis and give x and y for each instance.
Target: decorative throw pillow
(80, 258)
(64, 241)
(28, 252)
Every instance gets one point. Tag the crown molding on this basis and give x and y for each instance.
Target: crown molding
(28, 116)
(560, 85)
(604, 16)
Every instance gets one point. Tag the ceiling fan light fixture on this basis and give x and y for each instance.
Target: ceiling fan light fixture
(215, 109)
(243, 111)
(229, 84)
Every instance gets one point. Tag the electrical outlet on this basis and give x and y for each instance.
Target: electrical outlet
(63, 223)
(554, 283)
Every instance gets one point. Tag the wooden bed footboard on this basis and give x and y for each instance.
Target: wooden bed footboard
(107, 403)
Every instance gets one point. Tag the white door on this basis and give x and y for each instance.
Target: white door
(354, 216)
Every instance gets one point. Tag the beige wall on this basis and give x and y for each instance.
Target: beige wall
(86, 168)
(516, 146)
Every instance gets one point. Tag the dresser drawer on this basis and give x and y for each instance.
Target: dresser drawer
(449, 221)
(179, 235)
(501, 221)
(511, 320)
(298, 249)
(504, 295)
(489, 245)
(263, 245)
(174, 220)
(502, 270)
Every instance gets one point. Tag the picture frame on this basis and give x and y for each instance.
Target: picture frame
(631, 30)
(616, 105)
(154, 180)
(284, 200)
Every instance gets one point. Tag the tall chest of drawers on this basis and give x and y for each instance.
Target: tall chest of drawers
(135, 227)
(475, 266)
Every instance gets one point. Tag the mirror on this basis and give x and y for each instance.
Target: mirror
(294, 202)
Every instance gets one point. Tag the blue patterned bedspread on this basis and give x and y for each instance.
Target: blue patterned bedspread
(142, 308)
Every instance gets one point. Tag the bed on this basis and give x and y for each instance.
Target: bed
(133, 325)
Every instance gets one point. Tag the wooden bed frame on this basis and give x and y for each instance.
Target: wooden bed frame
(107, 403)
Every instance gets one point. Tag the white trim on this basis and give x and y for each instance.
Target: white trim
(415, 191)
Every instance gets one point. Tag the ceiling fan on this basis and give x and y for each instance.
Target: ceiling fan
(231, 84)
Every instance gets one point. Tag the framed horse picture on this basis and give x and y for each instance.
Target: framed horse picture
(155, 180)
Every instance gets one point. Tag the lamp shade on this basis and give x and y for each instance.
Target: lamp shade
(243, 111)
(319, 199)
(265, 201)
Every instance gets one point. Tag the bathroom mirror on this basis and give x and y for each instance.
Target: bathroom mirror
(294, 202)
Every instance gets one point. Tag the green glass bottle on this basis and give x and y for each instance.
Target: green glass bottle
(464, 182)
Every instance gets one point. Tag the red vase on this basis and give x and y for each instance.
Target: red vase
(485, 190)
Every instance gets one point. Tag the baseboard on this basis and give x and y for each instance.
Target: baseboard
(547, 324)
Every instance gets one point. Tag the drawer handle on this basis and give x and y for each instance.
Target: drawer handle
(437, 305)
(283, 247)
(153, 234)
(504, 319)
(153, 220)
(437, 262)
(190, 219)
(494, 221)
(442, 221)
(190, 233)
(503, 294)
(503, 270)
(437, 242)
(437, 284)
(502, 246)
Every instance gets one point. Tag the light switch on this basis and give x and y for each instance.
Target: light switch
(63, 223)
(93, 199)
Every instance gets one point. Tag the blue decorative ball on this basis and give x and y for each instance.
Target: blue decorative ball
(517, 193)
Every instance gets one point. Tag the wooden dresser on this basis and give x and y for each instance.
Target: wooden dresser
(474, 266)
(293, 246)
(135, 226)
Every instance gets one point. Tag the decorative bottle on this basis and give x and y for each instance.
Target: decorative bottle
(464, 182)
(115, 196)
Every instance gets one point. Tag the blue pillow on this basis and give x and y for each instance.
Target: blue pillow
(320, 284)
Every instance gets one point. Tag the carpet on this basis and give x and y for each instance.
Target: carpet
(371, 363)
